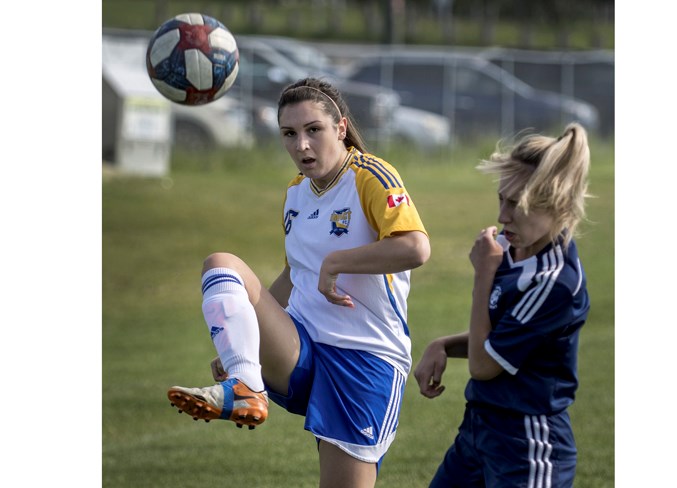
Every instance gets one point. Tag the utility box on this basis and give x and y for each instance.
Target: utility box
(143, 142)
(136, 120)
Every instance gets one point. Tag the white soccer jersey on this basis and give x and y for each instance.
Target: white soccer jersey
(364, 203)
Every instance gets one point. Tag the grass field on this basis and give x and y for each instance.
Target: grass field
(155, 236)
(363, 21)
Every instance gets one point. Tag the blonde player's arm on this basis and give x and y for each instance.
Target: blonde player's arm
(429, 371)
(486, 256)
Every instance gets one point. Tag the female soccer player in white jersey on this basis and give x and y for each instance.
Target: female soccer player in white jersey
(329, 339)
(529, 302)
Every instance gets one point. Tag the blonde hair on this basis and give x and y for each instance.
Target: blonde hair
(553, 173)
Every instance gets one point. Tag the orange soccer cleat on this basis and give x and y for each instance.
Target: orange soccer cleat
(228, 400)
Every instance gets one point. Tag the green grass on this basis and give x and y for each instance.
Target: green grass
(358, 22)
(156, 234)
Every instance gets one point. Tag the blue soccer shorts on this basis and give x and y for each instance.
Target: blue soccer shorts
(349, 398)
(496, 448)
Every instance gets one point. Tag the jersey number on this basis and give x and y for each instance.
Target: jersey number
(289, 216)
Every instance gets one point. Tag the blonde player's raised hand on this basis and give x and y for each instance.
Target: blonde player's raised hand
(486, 254)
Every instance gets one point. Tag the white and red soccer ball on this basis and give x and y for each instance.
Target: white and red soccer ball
(192, 59)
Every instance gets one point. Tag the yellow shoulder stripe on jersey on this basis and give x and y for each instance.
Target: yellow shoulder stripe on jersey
(385, 202)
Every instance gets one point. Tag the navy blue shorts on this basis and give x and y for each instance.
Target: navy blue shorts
(496, 448)
(349, 398)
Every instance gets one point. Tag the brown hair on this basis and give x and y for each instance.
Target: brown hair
(322, 92)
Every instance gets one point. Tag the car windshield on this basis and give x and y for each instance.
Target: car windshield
(432, 73)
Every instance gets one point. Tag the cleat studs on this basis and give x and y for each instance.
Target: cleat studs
(195, 418)
(180, 411)
(239, 426)
(252, 427)
(207, 421)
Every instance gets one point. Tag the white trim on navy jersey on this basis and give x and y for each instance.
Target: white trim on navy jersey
(553, 261)
(540, 448)
(537, 307)
(580, 276)
(498, 358)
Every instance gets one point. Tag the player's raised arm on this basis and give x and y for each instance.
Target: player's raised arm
(404, 251)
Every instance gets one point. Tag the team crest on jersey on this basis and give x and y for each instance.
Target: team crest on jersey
(340, 220)
(495, 295)
(288, 218)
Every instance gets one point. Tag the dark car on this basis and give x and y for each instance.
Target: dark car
(304, 54)
(264, 73)
(424, 129)
(476, 95)
(585, 75)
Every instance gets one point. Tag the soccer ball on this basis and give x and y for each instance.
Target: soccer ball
(192, 59)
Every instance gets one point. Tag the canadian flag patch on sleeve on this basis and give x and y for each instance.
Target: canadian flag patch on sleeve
(396, 200)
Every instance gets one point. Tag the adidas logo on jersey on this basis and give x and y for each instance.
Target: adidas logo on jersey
(215, 330)
(368, 431)
(315, 214)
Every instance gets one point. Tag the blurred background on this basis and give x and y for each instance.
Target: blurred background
(433, 84)
(428, 73)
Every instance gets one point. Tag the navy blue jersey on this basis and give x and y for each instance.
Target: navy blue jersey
(537, 307)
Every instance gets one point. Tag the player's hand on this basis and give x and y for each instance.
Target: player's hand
(429, 370)
(218, 372)
(486, 254)
(327, 286)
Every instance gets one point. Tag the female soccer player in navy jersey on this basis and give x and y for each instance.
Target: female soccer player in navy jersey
(529, 302)
(329, 339)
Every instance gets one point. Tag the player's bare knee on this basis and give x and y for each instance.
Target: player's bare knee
(222, 260)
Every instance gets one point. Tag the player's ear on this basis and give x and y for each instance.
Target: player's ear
(342, 128)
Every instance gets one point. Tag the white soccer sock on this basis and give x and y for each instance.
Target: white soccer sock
(232, 324)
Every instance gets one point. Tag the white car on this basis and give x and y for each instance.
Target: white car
(226, 122)
(222, 123)
(422, 128)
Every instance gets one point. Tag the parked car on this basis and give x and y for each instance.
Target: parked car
(477, 96)
(420, 128)
(213, 125)
(424, 129)
(304, 54)
(264, 72)
(585, 75)
(226, 122)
